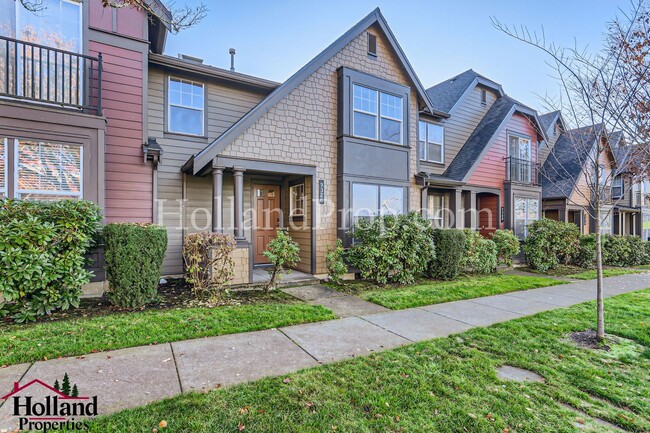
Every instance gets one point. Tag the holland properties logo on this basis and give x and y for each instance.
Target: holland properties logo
(57, 407)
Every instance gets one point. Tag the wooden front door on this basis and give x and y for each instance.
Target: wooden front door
(267, 218)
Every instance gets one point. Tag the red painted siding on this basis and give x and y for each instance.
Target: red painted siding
(491, 170)
(129, 188)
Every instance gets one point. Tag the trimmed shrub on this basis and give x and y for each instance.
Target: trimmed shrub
(646, 248)
(134, 255)
(392, 247)
(283, 253)
(636, 257)
(336, 267)
(208, 262)
(623, 251)
(507, 246)
(550, 243)
(450, 250)
(480, 253)
(586, 255)
(42, 248)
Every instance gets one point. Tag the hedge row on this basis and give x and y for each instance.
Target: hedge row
(551, 243)
(400, 248)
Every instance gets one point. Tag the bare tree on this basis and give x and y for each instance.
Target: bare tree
(178, 18)
(603, 95)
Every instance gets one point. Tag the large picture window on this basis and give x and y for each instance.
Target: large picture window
(185, 106)
(431, 142)
(377, 115)
(47, 171)
(526, 211)
(372, 200)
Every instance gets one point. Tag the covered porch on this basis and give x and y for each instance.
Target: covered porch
(627, 221)
(251, 200)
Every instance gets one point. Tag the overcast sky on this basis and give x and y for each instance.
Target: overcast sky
(441, 38)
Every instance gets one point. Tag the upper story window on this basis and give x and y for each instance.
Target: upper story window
(519, 148)
(617, 187)
(372, 44)
(483, 97)
(57, 24)
(185, 107)
(377, 115)
(431, 142)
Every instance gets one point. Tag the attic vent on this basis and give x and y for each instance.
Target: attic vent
(190, 58)
(372, 44)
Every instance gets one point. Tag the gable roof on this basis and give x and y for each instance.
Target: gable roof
(547, 120)
(565, 163)
(197, 162)
(444, 96)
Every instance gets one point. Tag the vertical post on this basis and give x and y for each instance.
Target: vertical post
(456, 208)
(217, 200)
(473, 212)
(239, 203)
(100, 67)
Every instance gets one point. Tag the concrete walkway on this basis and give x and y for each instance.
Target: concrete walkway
(136, 376)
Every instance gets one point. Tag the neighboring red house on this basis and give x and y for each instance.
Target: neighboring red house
(484, 173)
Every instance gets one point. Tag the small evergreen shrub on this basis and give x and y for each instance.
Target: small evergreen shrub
(282, 252)
(392, 248)
(623, 251)
(550, 243)
(42, 249)
(208, 262)
(134, 255)
(450, 250)
(336, 267)
(507, 246)
(480, 254)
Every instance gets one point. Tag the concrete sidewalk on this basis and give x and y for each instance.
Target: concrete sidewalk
(136, 376)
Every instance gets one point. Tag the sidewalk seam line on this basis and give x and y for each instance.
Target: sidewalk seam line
(22, 376)
(386, 329)
(301, 348)
(178, 375)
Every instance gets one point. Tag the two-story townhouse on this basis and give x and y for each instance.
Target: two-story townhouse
(479, 166)
(335, 142)
(568, 176)
(72, 99)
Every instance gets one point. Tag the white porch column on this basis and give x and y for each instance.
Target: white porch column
(217, 199)
(239, 203)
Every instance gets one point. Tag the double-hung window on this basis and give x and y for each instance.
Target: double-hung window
(520, 159)
(437, 210)
(297, 200)
(617, 187)
(377, 115)
(185, 108)
(431, 142)
(526, 211)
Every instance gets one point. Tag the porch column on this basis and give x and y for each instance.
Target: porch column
(470, 207)
(424, 203)
(239, 203)
(456, 206)
(217, 199)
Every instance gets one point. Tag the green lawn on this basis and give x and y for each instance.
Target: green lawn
(38, 341)
(435, 292)
(608, 272)
(444, 385)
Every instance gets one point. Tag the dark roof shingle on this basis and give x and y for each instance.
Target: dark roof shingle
(444, 95)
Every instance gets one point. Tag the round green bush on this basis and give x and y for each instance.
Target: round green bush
(480, 253)
(450, 249)
(42, 255)
(507, 245)
(392, 248)
(550, 243)
(586, 255)
(134, 255)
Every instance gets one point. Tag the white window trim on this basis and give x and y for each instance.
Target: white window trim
(292, 209)
(526, 219)
(17, 192)
(440, 218)
(426, 143)
(520, 138)
(81, 23)
(378, 116)
(170, 104)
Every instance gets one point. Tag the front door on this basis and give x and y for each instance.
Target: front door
(267, 218)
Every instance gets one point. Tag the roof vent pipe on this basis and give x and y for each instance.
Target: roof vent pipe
(232, 59)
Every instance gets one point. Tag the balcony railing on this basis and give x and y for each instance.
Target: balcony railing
(522, 171)
(34, 72)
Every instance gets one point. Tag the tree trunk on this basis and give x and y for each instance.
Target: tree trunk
(599, 277)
